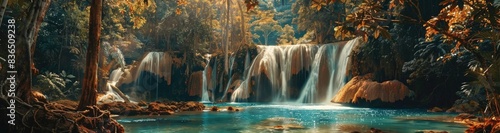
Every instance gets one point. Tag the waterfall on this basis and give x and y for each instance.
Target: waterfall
(157, 63)
(114, 77)
(309, 92)
(342, 63)
(269, 76)
(231, 62)
(204, 95)
(111, 95)
(276, 64)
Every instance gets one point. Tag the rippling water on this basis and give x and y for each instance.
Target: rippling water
(256, 117)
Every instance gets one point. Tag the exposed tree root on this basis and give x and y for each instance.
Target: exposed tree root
(53, 117)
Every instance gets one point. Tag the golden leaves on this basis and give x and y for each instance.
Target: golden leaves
(178, 11)
(250, 4)
(394, 3)
(181, 2)
(318, 5)
(342, 32)
(452, 20)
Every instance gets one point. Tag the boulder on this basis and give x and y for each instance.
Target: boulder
(435, 109)
(466, 107)
(362, 88)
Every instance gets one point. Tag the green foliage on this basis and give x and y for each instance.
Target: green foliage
(287, 35)
(265, 24)
(63, 37)
(57, 86)
(431, 77)
(318, 18)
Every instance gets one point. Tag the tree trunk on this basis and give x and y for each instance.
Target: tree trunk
(226, 62)
(89, 85)
(27, 37)
(2, 10)
(243, 33)
(39, 21)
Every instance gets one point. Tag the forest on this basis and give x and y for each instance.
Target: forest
(114, 65)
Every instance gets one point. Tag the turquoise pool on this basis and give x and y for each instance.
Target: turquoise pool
(281, 117)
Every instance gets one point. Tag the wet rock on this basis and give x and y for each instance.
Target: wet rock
(464, 117)
(374, 130)
(122, 108)
(167, 112)
(237, 110)
(114, 110)
(360, 88)
(279, 127)
(465, 107)
(280, 124)
(430, 131)
(230, 108)
(156, 106)
(195, 84)
(214, 108)
(435, 109)
(142, 103)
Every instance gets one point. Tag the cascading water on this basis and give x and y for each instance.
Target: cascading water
(277, 64)
(270, 73)
(309, 92)
(341, 70)
(204, 95)
(231, 62)
(110, 94)
(116, 54)
(157, 63)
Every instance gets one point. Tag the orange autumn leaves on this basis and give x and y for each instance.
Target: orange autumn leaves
(180, 3)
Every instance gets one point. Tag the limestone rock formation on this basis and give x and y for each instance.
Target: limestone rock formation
(364, 88)
(195, 84)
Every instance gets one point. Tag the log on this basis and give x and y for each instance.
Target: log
(120, 93)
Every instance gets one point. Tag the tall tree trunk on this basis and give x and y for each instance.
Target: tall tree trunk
(39, 20)
(226, 62)
(26, 38)
(89, 85)
(2, 10)
(243, 32)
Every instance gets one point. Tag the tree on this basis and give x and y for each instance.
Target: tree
(226, 39)
(89, 84)
(2, 10)
(26, 39)
(287, 35)
(319, 17)
(468, 25)
(472, 25)
(266, 24)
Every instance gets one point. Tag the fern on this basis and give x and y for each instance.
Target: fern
(53, 84)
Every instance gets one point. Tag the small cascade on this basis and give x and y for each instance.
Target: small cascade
(157, 63)
(204, 95)
(343, 61)
(231, 62)
(114, 77)
(111, 95)
(310, 90)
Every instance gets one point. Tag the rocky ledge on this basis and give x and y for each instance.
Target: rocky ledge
(143, 108)
(362, 91)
